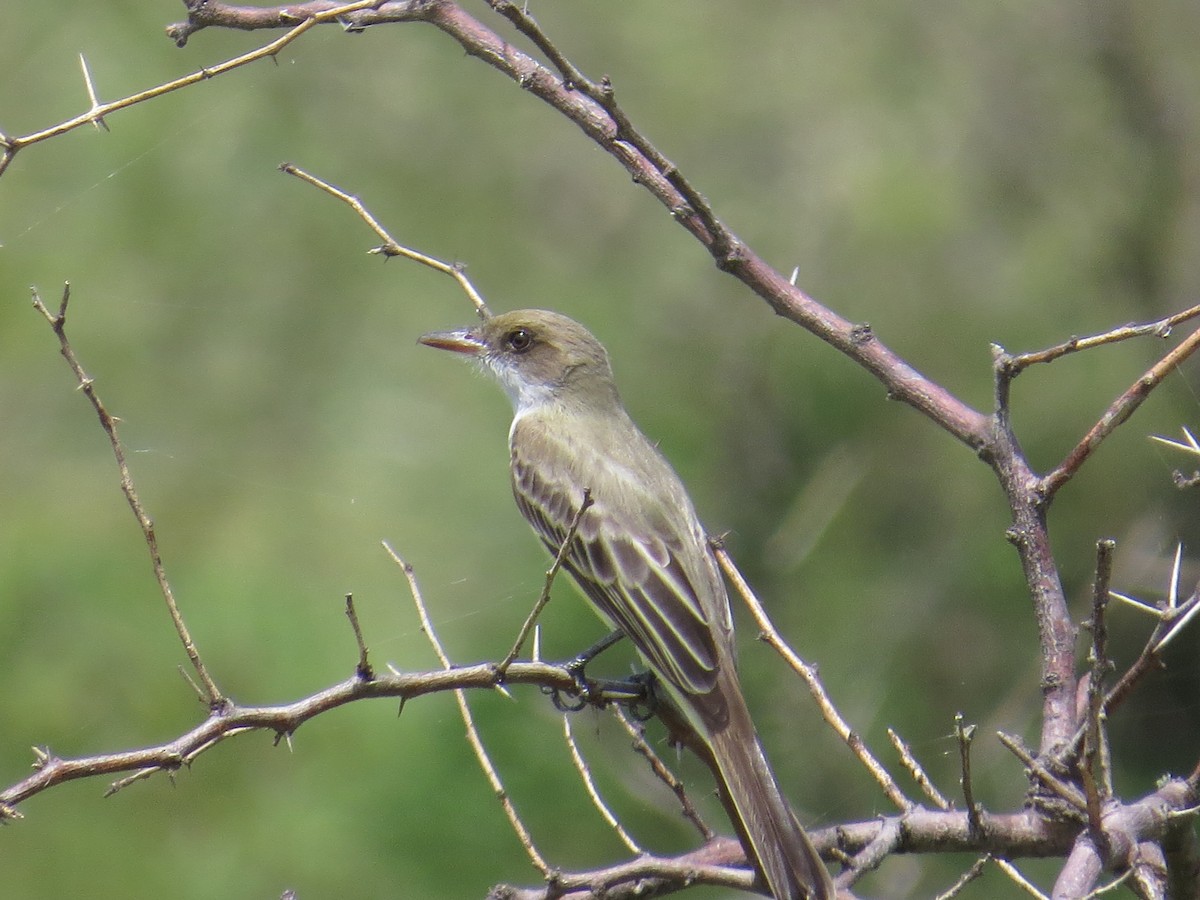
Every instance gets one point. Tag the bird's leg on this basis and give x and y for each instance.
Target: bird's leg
(577, 665)
(645, 705)
(636, 693)
(587, 693)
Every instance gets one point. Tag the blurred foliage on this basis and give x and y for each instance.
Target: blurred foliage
(955, 174)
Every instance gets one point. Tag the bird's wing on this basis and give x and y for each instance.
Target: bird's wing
(638, 559)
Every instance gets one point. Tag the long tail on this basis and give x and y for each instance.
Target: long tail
(784, 855)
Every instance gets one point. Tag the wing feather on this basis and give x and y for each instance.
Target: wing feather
(639, 559)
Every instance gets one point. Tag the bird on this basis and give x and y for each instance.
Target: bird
(640, 555)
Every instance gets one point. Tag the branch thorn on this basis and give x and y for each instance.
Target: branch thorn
(97, 120)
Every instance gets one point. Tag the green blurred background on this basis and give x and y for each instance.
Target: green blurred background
(954, 174)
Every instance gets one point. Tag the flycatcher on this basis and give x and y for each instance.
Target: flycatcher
(640, 555)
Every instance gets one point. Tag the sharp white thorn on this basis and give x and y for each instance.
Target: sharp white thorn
(1173, 589)
(1178, 627)
(1139, 605)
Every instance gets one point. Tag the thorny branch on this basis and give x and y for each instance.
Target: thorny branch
(390, 246)
(58, 322)
(95, 115)
(283, 720)
(662, 772)
(1170, 622)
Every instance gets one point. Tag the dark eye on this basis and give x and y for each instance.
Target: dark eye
(518, 340)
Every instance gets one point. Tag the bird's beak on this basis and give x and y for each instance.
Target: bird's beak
(463, 340)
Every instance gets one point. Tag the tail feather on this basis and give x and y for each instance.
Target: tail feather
(783, 852)
(780, 848)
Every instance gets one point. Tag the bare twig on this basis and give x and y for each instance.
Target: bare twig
(966, 878)
(661, 771)
(1044, 775)
(884, 843)
(809, 675)
(352, 17)
(481, 754)
(363, 669)
(589, 784)
(1020, 880)
(1160, 328)
(1116, 883)
(1094, 771)
(965, 735)
(58, 322)
(143, 774)
(917, 771)
(1148, 661)
(551, 573)
(390, 246)
(1117, 413)
(9, 814)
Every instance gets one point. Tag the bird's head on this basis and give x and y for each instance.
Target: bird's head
(538, 356)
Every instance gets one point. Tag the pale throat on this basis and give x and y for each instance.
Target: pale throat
(525, 395)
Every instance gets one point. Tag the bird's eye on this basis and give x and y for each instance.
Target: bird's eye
(519, 340)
